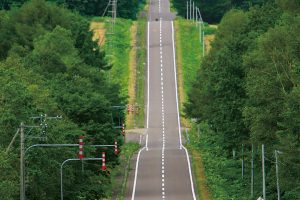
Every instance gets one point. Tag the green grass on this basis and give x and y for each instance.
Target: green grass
(140, 76)
(191, 49)
(120, 60)
(189, 56)
(120, 173)
(118, 56)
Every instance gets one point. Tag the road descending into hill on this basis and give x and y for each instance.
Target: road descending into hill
(162, 168)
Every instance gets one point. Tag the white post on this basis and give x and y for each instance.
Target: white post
(203, 43)
(187, 10)
(200, 31)
(190, 9)
(22, 166)
(252, 171)
(196, 16)
(242, 161)
(277, 175)
(263, 170)
(193, 11)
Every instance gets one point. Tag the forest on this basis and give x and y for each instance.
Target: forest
(247, 93)
(126, 8)
(212, 11)
(49, 64)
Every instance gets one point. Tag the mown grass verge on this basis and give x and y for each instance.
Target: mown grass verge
(140, 72)
(120, 174)
(188, 59)
(189, 53)
(118, 55)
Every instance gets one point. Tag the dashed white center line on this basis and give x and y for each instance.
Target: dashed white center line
(162, 111)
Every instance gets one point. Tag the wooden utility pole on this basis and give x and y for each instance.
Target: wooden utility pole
(242, 161)
(277, 174)
(252, 171)
(263, 170)
(22, 150)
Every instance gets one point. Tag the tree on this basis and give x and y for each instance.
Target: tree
(212, 11)
(51, 65)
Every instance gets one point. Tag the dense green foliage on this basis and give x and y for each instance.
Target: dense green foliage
(212, 11)
(247, 89)
(219, 169)
(49, 64)
(126, 8)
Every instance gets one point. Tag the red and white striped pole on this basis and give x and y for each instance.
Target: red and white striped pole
(80, 147)
(103, 162)
(116, 148)
(123, 129)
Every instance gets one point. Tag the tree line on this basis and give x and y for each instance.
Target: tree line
(212, 11)
(125, 9)
(247, 88)
(49, 64)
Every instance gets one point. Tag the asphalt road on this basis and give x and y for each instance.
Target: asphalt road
(162, 169)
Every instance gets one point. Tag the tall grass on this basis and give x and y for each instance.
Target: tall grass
(191, 51)
(140, 76)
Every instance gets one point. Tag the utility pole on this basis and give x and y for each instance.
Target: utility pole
(22, 151)
(242, 161)
(263, 170)
(190, 9)
(203, 45)
(187, 10)
(113, 13)
(200, 25)
(196, 16)
(277, 174)
(252, 171)
(42, 125)
(193, 11)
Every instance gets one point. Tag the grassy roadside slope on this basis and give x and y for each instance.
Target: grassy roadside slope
(124, 60)
(140, 72)
(189, 55)
(120, 53)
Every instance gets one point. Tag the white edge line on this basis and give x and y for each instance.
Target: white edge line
(136, 173)
(179, 127)
(190, 171)
(148, 76)
(147, 125)
(175, 72)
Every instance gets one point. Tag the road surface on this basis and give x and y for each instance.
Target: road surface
(162, 169)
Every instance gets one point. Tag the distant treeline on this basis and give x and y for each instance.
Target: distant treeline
(125, 9)
(213, 10)
(49, 64)
(248, 92)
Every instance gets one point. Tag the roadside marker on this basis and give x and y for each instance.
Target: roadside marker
(116, 148)
(80, 155)
(103, 162)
